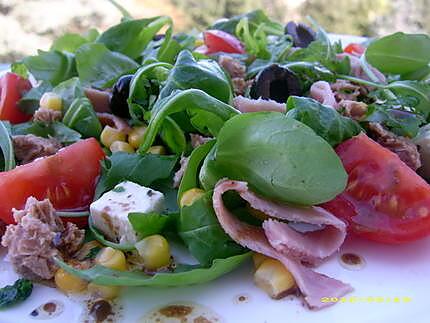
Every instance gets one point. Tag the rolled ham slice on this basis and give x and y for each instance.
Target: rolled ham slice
(108, 119)
(245, 105)
(322, 92)
(314, 286)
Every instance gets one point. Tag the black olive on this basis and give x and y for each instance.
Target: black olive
(302, 34)
(118, 100)
(276, 83)
(158, 37)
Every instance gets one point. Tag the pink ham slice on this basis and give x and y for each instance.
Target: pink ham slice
(314, 286)
(246, 105)
(322, 92)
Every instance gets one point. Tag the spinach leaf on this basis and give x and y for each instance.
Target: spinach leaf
(53, 66)
(132, 36)
(29, 103)
(140, 169)
(325, 121)
(56, 130)
(281, 159)
(69, 42)
(6, 146)
(16, 293)
(204, 74)
(20, 69)
(81, 117)
(69, 91)
(173, 136)
(180, 277)
(165, 186)
(203, 235)
(148, 224)
(310, 73)
(192, 101)
(99, 67)
(399, 53)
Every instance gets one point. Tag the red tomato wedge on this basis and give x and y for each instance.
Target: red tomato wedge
(385, 200)
(219, 41)
(67, 178)
(12, 87)
(355, 49)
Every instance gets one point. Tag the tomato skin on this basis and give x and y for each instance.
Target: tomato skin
(220, 41)
(12, 87)
(355, 49)
(385, 200)
(67, 178)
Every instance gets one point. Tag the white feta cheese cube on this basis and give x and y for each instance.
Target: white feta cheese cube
(109, 213)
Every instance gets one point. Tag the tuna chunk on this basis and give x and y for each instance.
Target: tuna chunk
(29, 147)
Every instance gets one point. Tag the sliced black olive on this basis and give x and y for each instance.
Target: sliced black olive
(302, 34)
(158, 37)
(118, 100)
(276, 83)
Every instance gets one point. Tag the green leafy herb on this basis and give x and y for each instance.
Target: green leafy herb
(100, 67)
(20, 69)
(325, 121)
(93, 253)
(281, 159)
(182, 276)
(146, 224)
(29, 103)
(16, 293)
(173, 136)
(69, 91)
(400, 53)
(53, 66)
(82, 118)
(55, 130)
(69, 42)
(8, 160)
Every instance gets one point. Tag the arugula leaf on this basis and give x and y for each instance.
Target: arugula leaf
(325, 121)
(69, 91)
(280, 158)
(180, 277)
(140, 169)
(146, 224)
(192, 101)
(6, 146)
(53, 66)
(16, 293)
(56, 130)
(99, 67)
(81, 117)
(201, 232)
(29, 102)
(399, 53)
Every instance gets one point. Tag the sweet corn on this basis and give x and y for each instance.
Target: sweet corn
(109, 135)
(112, 258)
(157, 150)
(258, 259)
(69, 283)
(199, 42)
(136, 135)
(272, 277)
(154, 250)
(121, 146)
(190, 196)
(105, 292)
(52, 101)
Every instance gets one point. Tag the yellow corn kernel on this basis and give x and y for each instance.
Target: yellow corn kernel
(112, 258)
(157, 150)
(135, 136)
(109, 135)
(69, 283)
(52, 101)
(258, 259)
(190, 196)
(272, 277)
(121, 146)
(105, 292)
(155, 251)
(86, 249)
(199, 42)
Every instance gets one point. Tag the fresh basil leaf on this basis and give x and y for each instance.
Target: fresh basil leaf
(68, 42)
(132, 36)
(280, 158)
(180, 277)
(399, 53)
(203, 235)
(191, 101)
(6, 146)
(99, 67)
(204, 74)
(82, 118)
(16, 293)
(325, 121)
(56, 130)
(140, 169)
(20, 69)
(29, 102)
(53, 66)
(146, 224)
(69, 91)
